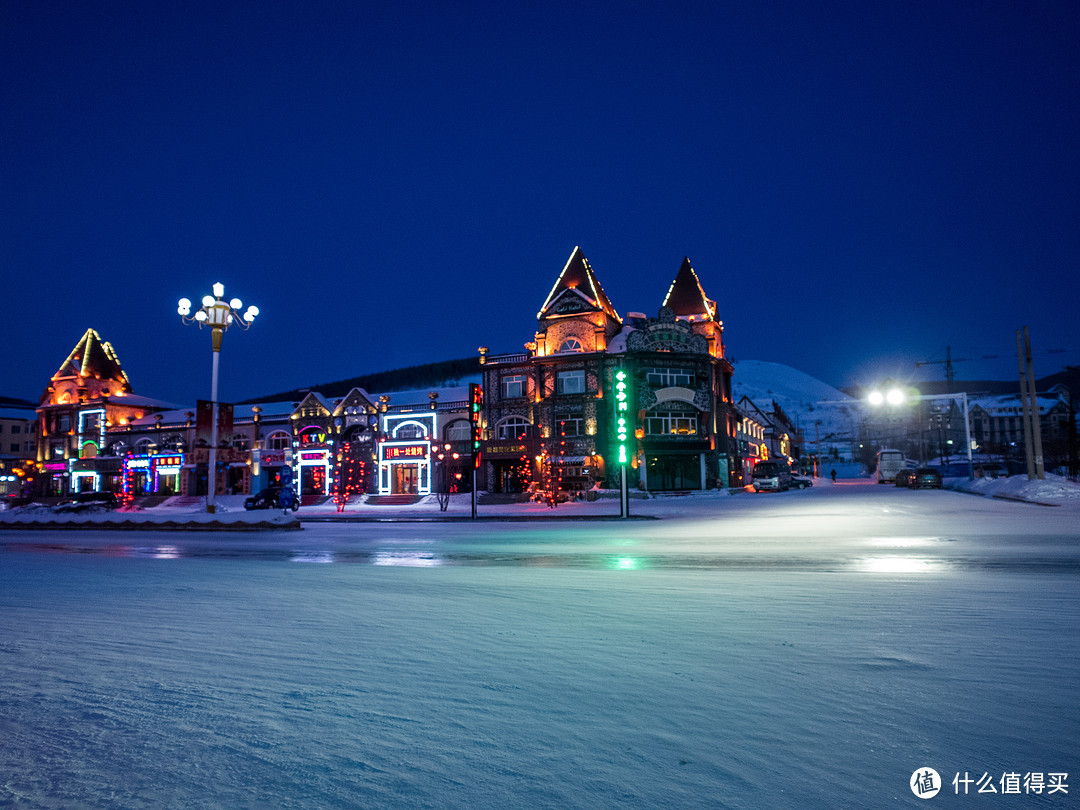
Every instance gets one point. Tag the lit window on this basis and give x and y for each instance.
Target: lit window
(670, 377)
(512, 428)
(568, 424)
(410, 430)
(571, 345)
(279, 441)
(672, 422)
(513, 386)
(570, 382)
(459, 431)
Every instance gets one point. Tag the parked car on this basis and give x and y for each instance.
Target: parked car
(264, 499)
(904, 478)
(90, 502)
(772, 476)
(926, 477)
(798, 482)
(994, 470)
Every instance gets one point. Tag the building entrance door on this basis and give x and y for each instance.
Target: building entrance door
(312, 480)
(406, 479)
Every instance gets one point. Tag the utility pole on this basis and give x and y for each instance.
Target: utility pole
(1036, 417)
(1025, 410)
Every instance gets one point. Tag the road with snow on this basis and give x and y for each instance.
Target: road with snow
(800, 649)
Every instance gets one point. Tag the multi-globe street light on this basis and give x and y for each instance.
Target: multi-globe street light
(894, 396)
(219, 315)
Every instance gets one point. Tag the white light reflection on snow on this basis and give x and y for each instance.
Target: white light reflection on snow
(899, 565)
(412, 558)
(901, 542)
(320, 557)
(166, 553)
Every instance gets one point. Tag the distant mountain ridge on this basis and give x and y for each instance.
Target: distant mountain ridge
(801, 397)
(440, 374)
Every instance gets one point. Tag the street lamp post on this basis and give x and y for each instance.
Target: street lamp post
(896, 396)
(219, 315)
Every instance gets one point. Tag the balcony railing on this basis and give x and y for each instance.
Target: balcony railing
(507, 358)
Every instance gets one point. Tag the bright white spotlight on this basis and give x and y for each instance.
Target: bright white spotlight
(875, 398)
(895, 396)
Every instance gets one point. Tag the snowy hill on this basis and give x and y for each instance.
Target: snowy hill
(801, 397)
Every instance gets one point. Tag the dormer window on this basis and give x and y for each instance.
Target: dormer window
(571, 345)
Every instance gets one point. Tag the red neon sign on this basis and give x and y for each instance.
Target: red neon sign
(404, 451)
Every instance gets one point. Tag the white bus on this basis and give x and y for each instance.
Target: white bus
(889, 463)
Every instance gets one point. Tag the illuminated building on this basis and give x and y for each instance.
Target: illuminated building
(85, 398)
(18, 448)
(548, 411)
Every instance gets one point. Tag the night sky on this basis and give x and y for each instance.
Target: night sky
(859, 185)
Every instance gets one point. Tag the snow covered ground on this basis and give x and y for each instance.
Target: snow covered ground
(800, 649)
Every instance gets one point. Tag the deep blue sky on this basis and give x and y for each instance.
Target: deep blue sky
(858, 185)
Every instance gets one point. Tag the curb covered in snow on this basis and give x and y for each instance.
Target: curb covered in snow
(127, 524)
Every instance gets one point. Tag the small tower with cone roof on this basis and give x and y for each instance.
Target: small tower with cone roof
(576, 315)
(686, 298)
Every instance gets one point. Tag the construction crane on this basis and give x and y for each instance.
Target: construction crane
(950, 372)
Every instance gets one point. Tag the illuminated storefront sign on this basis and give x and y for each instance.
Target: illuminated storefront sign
(405, 468)
(405, 451)
(156, 473)
(314, 472)
(312, 435)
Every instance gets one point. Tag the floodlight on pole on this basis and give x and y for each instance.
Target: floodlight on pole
(897, 396)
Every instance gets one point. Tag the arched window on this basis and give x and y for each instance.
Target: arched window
(144, 447)
(571, 344)
(355, 433)
(459, 431)
(512, 428)
(278, 440)
(173, 443)
(410, 430)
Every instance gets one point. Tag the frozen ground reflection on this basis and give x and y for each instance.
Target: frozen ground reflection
(897, 556)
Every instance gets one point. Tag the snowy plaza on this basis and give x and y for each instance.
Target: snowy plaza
(799, 649)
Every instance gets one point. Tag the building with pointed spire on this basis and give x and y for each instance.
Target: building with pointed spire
(549, 412)
(88, 394)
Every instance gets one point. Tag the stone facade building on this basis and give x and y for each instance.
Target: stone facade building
(549, 412)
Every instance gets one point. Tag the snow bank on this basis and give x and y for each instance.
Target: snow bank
(38, 516)
(1053, 489)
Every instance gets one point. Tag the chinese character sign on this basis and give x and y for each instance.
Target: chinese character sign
(476, 404)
